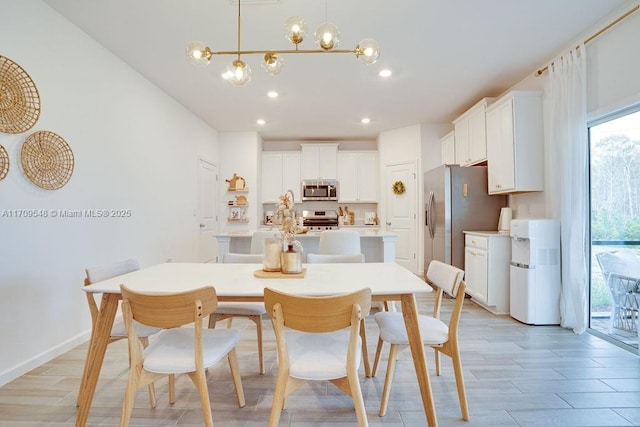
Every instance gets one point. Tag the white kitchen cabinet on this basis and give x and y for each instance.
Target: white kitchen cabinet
(486, 269)
(515, 143)
(319, 161)
(280, 172)
(470, 134)
(358, 176)
(448, 149)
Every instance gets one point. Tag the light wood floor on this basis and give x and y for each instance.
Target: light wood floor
(516, 375)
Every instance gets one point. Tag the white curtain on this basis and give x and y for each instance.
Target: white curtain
(569, 160)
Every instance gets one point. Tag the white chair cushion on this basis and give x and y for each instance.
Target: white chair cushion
(172, 351)
(242, 308)
(337, 242)
(393, 330)
(319, 356)
(143, 331)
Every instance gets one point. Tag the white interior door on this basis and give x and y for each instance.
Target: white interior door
(401, 217)
(207, 209)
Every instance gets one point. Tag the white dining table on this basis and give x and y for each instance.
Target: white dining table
(237, 282)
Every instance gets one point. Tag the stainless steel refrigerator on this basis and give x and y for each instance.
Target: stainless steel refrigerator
(456, 200)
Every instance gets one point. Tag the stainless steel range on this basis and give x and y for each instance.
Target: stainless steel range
(320, 220)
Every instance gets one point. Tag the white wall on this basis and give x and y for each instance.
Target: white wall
(242, 154)
(134, 148)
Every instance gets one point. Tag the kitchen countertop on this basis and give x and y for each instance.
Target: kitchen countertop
(488, 233)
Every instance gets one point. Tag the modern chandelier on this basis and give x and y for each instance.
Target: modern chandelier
(327, 37)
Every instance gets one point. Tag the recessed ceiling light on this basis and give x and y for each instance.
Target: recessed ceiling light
(365, 120)
(385, 73)
(272, 94)
(261, 122)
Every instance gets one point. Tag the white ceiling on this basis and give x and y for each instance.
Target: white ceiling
(445, 56)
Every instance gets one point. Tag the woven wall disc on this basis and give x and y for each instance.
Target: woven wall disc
(19, 98)
(47, 160)
(4, 163)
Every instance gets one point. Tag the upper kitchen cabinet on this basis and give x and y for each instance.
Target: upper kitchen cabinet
(515, 143)
(358, 176)
(448, 149)
(319, 161)
(280, 172)
(470, 135)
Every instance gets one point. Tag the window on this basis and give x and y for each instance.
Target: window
(615, 226)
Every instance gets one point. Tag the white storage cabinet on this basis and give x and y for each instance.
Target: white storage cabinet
(515, 143)
(486, 266)
(358, 176)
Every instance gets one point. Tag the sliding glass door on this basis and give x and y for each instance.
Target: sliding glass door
(615, 226)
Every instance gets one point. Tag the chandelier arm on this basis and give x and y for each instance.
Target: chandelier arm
(286, 51)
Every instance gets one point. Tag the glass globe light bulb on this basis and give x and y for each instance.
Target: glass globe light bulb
(239, 73)
(327, 36)
(368, 51)
(272, 63)
(295, 29)
(198, 53)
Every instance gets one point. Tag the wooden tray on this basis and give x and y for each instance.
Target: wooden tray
(279, 274)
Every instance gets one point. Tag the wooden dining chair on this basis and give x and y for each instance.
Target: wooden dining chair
(249, 310)
(435, 333)
(176, 350)
(346, 259)
(118, 331)
(318, 339)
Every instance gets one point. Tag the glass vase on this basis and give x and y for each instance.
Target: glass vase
(291, 261)
(271, 260)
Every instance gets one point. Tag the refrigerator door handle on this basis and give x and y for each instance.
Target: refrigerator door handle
(429, 217)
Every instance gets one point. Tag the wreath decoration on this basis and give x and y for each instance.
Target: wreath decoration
(398, 187)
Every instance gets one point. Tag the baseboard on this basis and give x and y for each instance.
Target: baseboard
(21, 369)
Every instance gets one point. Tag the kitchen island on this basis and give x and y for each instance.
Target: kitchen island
(376, 245)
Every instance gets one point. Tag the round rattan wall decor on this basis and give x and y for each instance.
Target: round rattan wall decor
(19, 98)
(47, 160)
(4, 163)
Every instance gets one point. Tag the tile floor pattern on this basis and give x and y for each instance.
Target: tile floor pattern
(516, 375)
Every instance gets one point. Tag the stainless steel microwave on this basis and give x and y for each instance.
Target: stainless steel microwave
(326, 189)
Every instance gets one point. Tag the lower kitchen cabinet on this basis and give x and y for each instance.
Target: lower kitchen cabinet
(486, 264)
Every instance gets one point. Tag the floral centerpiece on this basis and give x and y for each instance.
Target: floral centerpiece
(285, 217)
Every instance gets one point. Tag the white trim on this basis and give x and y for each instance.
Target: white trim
(21, 369)
(596, 117)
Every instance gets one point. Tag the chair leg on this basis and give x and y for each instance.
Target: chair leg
(172, 389)
(150, 387)
(356, 395)
(436, 354)
(200, 380)
(258, 321)
(376, 360)
(130, 395)
(279, 395)
(235, 374)
(391, 366)
(462, 394)
(365, 353)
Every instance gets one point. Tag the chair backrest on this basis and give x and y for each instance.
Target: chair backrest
(170, 310)
(445, 277)
(344, 258)
(339, 242)
(231, 257)
(317, 314)
(257, 239)
(96, 274)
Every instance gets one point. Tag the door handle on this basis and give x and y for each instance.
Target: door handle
(388, 223)
(201, 225)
